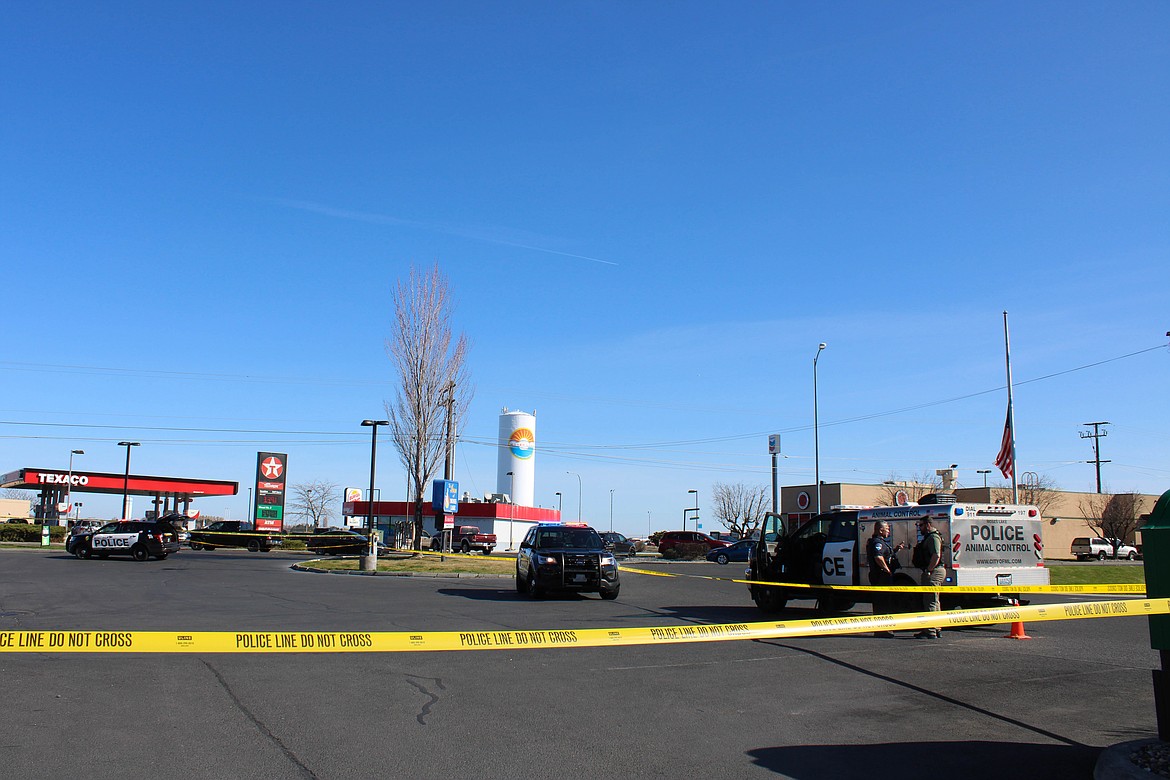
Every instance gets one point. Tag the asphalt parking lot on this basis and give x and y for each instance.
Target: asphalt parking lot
(972, 705)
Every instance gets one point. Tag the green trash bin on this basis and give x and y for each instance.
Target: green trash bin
(1156, 559)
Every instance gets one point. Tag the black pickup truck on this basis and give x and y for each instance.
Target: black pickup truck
(233, 533)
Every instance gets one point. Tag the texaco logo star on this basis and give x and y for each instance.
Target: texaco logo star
(271, 467)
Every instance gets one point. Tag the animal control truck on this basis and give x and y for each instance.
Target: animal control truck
(983, 544)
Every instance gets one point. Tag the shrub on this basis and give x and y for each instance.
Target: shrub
(686, 552)
(23, 532)
(293, 544)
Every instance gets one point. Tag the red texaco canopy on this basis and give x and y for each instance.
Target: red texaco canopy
(98, 482)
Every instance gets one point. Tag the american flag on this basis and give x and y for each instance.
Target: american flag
(1003, 461)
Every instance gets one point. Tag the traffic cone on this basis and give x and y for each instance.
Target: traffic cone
(1017, 631)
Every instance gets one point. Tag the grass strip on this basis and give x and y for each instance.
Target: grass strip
(1088, 574)
(424, 564)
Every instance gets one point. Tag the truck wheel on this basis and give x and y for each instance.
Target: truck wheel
(465, 546)
(610, 595)
(1100, 556)
(769, 600)
(253, 545)
(435, 545)
(487, 551)
(1132, 556)
(520, 586)
(139, 552)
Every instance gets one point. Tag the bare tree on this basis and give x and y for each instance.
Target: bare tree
(916, 487)
(1042, 493)
(739, 507)
(314, 502)
(432, 379)
(1115, 517)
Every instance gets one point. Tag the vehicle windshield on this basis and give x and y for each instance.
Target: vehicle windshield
(568, 538)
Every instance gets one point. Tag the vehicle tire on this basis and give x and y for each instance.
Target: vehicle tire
(83, 553)
(1101, 555)
(139, 552)
(1132, 556)
(487, 551)
(633, 554)
(465, 547)
(520, 586)
(253, 545)
(436, 545)
(722, 559)
(610, 595)
(534, 590)
(769, 600)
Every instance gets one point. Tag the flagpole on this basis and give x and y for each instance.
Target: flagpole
(1007, 350)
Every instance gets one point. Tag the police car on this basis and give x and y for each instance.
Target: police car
(565, 556)
(140, 539)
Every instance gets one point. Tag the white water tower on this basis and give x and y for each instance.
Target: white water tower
(517, 454)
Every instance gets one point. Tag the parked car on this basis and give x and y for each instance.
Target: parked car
(619, 544)
(1085, 548)
(672, 539)
(337, 541)
(233, 533)
(740, 552)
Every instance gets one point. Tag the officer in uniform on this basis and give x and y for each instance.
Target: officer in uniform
(928, 555)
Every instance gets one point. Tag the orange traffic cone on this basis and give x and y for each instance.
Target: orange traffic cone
(1017, 631)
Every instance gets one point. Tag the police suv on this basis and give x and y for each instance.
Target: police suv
(140, 539)
(566, 556)
(983, 544)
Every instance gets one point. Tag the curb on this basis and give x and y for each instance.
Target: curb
(425, 574)
(1114, 762)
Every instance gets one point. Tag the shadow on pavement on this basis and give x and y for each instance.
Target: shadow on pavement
(908, 760)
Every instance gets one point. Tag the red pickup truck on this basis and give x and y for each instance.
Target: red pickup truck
(466, 538)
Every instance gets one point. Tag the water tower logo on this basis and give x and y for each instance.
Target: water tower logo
(522, 442)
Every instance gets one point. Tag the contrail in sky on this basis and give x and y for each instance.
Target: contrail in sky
(385, 219)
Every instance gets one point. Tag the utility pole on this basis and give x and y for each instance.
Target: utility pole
(1096, 435)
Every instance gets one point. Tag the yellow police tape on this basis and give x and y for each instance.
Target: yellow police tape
(430, 641)
(1128, 588)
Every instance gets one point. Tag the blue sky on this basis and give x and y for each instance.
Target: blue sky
(650, 213)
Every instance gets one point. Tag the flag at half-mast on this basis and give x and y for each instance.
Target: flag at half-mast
(1003, 461)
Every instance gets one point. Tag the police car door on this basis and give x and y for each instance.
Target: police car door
(113, 538)
(839, 559)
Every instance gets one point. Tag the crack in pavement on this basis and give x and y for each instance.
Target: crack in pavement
(260, 725)
(426, 710)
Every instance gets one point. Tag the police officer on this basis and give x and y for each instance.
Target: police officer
(883, 562)
(928, 554)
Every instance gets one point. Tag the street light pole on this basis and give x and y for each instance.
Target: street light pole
(816, 431)
(69, 483)
(369, 561)
(560, 500)
(696, 511)
(984, 472)
(649, 526)
(578, 476)
(126, 478)
(611, 510)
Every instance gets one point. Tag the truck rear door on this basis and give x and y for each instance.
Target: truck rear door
(839, 555)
